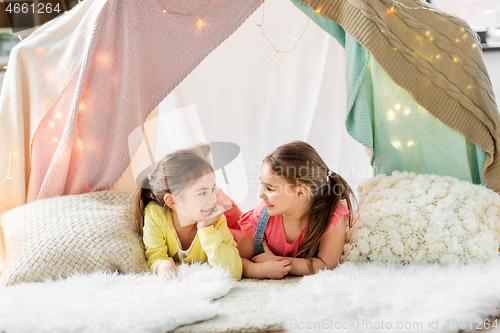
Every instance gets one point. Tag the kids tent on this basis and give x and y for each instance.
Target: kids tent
(79, 85)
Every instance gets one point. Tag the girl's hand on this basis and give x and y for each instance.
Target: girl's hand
(267, 255)
(277, 269)
(214, 217)
(167, 269)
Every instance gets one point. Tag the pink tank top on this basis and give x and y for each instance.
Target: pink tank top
(275, 235)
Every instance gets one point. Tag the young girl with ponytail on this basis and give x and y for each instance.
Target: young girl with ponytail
(299, 227)
(180, 216)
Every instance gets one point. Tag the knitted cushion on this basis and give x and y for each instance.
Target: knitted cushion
(424, 218)
(83, 233)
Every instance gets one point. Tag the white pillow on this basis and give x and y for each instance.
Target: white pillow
(84, 233)
(424, 218)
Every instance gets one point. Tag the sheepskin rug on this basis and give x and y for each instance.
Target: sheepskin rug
(424, 218)
(104, 302)
(385, 297)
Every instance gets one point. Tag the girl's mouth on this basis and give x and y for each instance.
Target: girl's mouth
(268, 205)
(208, 211)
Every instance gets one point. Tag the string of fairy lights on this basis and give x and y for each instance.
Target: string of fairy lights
(200, 23)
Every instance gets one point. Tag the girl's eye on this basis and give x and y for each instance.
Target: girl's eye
(267, 188)
(203, 193)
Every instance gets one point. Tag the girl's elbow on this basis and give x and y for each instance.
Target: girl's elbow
(331, 266)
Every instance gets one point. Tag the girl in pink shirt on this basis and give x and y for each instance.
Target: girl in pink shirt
(305, 228)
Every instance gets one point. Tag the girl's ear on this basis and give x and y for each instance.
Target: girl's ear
(169, 200)
(301, 192)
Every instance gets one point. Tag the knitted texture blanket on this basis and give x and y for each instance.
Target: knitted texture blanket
(433, 55)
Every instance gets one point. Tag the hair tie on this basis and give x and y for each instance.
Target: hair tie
(150, 176)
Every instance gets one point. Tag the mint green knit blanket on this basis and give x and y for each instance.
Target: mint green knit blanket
(384, 117)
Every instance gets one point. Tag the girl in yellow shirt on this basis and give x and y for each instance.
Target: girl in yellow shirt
(180, 220)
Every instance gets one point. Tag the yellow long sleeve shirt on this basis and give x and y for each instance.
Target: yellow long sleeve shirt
(214, 244)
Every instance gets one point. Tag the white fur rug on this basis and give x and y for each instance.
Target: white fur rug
(382, 297)
(104, 302)
(355, 297)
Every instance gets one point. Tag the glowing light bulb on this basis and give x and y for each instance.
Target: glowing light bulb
(56, 140)
(39, 50)
(278, 52)
(407, 111)
(410, 143)
(464, 36)
(392, 9)
(397, 106)
(438, 56)
(462, 29)
(469, 87)
(14, 153)
(474, 46)
(395, 49)
(396, 144)
(51, 124)
(457, 40)
(391, 116)
(200, 24)
(164, 10)
(318, 10)
(455, 59)
(58, 115)
(49, 76)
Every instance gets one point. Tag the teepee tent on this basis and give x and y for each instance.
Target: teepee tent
(79, 85)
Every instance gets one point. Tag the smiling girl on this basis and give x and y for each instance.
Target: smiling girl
(299, 227)
(180, 219)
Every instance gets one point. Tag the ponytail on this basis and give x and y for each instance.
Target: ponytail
(143, 196)
(325, 203)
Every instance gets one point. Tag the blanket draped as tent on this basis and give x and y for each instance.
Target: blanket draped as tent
(121, 58)
(435, 58)
(385, 118)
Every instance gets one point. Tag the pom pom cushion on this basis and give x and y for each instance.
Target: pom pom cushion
(424, 218)
(84, 233)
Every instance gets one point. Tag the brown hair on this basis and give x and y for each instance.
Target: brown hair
(175, 172)
(301, 164)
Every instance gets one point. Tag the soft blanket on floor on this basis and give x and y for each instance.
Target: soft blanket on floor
(103, 302)
(383, 297)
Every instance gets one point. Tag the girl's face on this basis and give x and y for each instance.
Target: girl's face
(197, 201)
(280, 196)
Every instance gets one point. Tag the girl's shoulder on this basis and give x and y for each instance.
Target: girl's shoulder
(158, 214)
(252, 216)
(341, 211)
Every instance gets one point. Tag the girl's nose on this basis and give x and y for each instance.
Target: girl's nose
(261, 193)
(213, 198)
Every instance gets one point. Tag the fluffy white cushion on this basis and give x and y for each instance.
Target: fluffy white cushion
(55, 237)
(424, 218)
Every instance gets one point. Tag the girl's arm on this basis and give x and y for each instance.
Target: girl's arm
(155, 244)
(330, 251)
(272, 269)
(218, 243)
